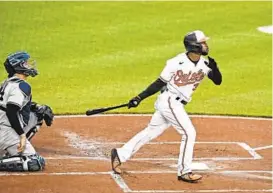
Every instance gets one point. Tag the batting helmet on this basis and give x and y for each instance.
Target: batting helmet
(21, 63)
(193, 42)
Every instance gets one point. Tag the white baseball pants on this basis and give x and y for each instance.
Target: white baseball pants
(169, 112)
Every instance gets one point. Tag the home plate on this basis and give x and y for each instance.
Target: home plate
(195, 166)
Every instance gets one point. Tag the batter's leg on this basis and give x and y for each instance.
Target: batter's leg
(156, 127)
(180, 120)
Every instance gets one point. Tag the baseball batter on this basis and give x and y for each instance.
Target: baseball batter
(20, 118)
(177, 82)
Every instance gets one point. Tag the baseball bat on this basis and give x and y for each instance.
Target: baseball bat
(103, 109)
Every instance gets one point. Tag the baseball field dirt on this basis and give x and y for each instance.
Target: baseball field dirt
(236, 151)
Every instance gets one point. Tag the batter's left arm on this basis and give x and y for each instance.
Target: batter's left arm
(152, 89)
(215, 74)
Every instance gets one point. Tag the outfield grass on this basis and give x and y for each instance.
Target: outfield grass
(93, 54)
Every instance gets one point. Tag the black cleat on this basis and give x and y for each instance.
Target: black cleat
(115, 161)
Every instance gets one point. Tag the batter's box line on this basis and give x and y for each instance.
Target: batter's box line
(245, 146)
(149, 159)
(169, 142)
(122, 184)
(263, 147)
(130, 172)
(250, 150)
(197, 191)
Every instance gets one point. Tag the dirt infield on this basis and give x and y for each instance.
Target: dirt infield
(236, 151)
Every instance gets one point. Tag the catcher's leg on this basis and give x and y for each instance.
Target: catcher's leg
(155, 128)
(32, 132)
(18, 163)
(3, 153)
(33, 126)
(29, 160)
(36, 117)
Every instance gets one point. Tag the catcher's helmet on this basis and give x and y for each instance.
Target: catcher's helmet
(20, 62)
(193, 40)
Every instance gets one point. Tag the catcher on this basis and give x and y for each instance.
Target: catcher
(20, 118)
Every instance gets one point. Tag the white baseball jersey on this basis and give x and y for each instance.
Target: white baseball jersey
(183, 76)
(14, 91)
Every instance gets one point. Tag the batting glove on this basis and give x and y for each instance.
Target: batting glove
(212, 64)
(134, 102)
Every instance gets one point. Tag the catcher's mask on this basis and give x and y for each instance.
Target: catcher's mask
(21, 63)
(193, 42)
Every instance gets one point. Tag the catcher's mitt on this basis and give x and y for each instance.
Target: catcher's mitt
(43, 112)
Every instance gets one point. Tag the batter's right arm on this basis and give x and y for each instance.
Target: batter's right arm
(152, 89)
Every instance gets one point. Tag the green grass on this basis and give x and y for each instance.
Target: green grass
(93, 54)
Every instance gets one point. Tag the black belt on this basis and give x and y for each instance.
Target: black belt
(181, 101)
(177, 98)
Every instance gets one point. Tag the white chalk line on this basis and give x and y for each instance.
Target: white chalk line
(167, 142)
(148, 115)
(126, 189)
(254, 176)
(248, 174)
(55, 174)
(207, 171)
(250, 150)
(262, 148)
(121, 183)
(196, 159)
(131, 172)
(77, 158)
(201, 191)
(150, 159)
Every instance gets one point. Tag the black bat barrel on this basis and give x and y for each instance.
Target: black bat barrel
(101, 110)
(94, 111)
